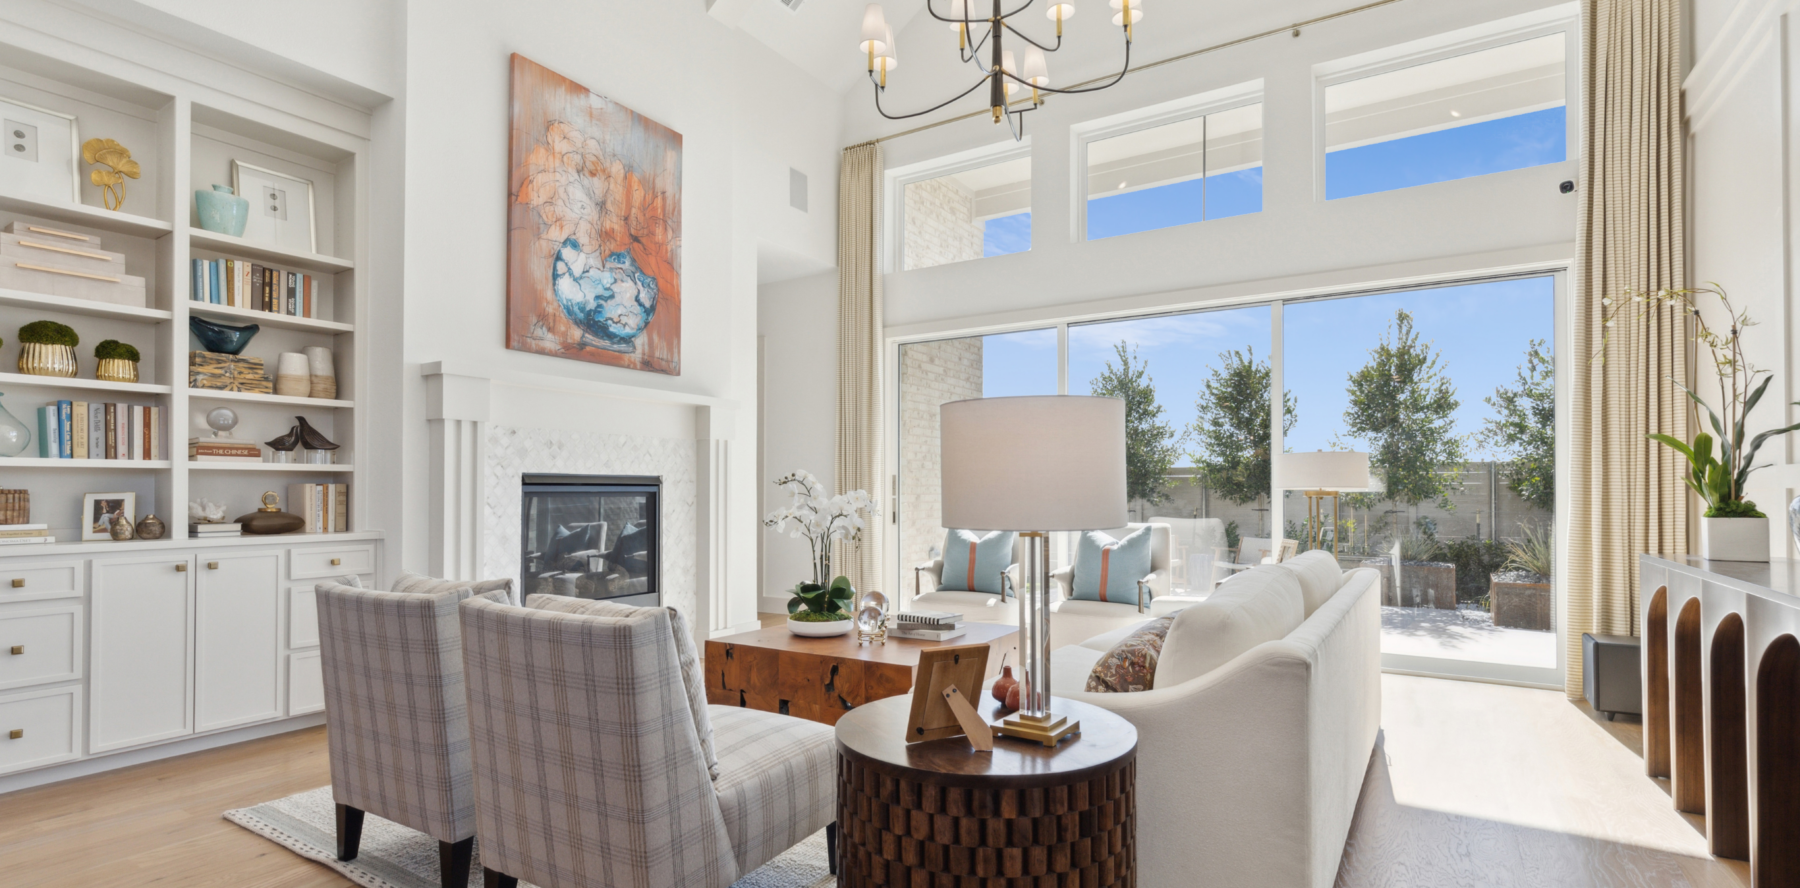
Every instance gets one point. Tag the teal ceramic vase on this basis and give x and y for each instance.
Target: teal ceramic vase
(222, 211)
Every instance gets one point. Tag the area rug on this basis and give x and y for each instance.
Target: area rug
(393, 856)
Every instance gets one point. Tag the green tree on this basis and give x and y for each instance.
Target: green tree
(1401, 407)
(1232, 449)
(1523, 429)
(1150, 448)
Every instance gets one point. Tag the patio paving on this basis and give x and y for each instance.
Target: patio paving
(1463, 634)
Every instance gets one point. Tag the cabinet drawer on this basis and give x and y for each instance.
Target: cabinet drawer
(36, 581)
(40, 646)
(303, 617)
(335, 561)
(306, 684)
(47, 723)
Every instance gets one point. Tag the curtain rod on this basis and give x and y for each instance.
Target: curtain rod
(1295, 27)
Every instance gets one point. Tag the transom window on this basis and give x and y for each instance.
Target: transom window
(1208, 166)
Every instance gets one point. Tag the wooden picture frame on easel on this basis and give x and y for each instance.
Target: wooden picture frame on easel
(947, 680)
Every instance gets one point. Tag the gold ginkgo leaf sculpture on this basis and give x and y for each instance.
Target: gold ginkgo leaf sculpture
(119, 167)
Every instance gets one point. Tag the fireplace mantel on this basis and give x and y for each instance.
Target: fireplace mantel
(472, 488)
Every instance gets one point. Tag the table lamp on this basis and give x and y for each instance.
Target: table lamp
(1035, 465)
(1320, 474)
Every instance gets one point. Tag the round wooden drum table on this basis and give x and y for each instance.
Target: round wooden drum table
(940, 814)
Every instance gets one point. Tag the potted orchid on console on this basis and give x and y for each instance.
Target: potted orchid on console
(1732, 528)
(821, 607)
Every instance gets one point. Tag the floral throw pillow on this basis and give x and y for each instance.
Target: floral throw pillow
(1131, 664)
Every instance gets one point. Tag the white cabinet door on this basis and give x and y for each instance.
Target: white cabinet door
(237, 673)
(141, 681)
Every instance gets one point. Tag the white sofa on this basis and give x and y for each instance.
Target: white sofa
(976, 607)
(1249, 769)
(1077, 620)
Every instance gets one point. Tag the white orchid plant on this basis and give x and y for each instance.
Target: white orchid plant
(821, 520)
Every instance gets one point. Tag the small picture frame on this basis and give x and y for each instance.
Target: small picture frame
(961, 667)
(40, 155)
(98, 510)
(281, 207)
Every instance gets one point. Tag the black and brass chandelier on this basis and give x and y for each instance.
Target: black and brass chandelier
(997, 64)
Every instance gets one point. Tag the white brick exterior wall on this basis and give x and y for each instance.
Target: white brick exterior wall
(940, 226)
(931, 374)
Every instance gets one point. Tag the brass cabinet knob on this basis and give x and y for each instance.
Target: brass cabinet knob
(212, 565)
(18, 582)
(16, 734)
(18, 649)
(181, 568)
(336, 561)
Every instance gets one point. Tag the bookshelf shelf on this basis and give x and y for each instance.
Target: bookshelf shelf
(35, 462)
(26, 380)
(265, 467)
(195, 394)
(287, 260)
(87, 307)
(85, 216)
(267, 318)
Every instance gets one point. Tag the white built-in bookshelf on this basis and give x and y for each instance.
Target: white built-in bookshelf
(185, 137)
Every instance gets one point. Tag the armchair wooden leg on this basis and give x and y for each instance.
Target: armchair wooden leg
(491, 879)
(349, 831)
(831, 845)
(454, 859)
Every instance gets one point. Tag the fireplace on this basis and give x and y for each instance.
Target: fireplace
(591, 536)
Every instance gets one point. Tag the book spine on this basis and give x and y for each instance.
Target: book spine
(65, 442)
(255, 294)
(343, 507)
(243, 285)
(112, 431)
(143, 432)
(96, 431)
(306, 287)
(293, 302)
(78, 433)
(194, 280)
(156, 433)
(46, 432)
(230, 282)
(269, 289)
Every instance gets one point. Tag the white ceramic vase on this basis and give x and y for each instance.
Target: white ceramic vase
(1734, 539)
(293, 375)
(820, 630)
(321, 366)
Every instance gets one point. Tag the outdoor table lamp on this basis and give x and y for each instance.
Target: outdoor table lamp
(1320, 474)
(1036, 465)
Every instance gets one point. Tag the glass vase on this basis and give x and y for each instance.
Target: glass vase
(15, 436)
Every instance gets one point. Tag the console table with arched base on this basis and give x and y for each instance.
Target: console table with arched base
(1721, 661)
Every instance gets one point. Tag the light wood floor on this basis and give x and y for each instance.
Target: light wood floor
(1479, 785)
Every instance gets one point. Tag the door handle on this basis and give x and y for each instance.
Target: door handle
(212, 565)
(18, 582)
(336, 561)
(181, 568)
(18, 649)
(16, 734)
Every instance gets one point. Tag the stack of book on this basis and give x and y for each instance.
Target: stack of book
(326, 507)
(928, 625)
(200, 531)
(23, 534)
(235, 450)
(239, 284)
(83, 430)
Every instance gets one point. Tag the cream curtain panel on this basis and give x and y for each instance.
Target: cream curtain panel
(859, 457)
(1626, 492)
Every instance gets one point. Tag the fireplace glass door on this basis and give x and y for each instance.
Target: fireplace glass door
(589, 537)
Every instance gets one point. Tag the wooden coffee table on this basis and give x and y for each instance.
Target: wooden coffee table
(820, 679)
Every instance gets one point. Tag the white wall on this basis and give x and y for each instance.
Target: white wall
(798, 322)
(1740, 104)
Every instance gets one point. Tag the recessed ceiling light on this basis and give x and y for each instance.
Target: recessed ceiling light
(1456, 114)
(1122, 185)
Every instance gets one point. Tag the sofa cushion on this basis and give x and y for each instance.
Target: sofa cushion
(1131, 665)
(1070, 667)
(779, 783)
(693, 680)
(1106, 641)
(1319, 576)
(976, 607)
(1265, 604)
(973, 562)
(1108, 569)
(417, 584)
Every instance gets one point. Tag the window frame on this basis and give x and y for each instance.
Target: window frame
(1081, 135)
(893, 246)
(1516, 29)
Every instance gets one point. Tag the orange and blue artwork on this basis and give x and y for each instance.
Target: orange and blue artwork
(594, 240)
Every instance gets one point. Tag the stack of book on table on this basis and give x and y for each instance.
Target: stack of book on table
(928, 625)
(200, 531)
(22, 534)
(235, 450)
(84, 430)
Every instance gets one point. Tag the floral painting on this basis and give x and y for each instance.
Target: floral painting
(594, 241)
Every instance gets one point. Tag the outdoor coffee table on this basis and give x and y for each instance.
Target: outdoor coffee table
(820, 679)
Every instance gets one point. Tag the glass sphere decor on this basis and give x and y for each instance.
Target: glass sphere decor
(871, 618)
(221, 420)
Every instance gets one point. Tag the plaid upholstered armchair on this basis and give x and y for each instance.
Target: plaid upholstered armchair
(396, 717)
(598, 762)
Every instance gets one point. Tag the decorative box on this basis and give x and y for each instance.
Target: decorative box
(39, 259)
(228, 373)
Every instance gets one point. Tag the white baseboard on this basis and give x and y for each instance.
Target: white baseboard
(114, 761)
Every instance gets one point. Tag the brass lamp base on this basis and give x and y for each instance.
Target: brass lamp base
(1049, 730)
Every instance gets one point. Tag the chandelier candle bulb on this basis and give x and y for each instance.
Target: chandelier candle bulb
(874, 29)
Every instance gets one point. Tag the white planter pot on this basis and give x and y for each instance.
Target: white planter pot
(1734, 539)
(826, 630)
